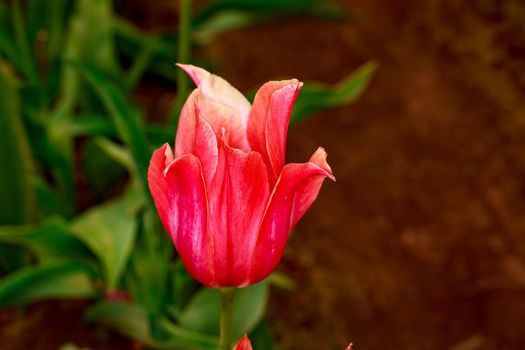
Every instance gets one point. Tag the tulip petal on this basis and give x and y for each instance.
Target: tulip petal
(195, 136)
(268, 122)
(161, 158)
(196, 74)
(294, 192)
(222, 117)
(219, 90)
(237, 200)
(243, 344)
(218, 116)
(180, 197)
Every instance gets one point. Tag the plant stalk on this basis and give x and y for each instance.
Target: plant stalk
(183, 57)
(226, 317)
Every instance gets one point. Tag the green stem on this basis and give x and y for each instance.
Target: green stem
(183, 57)
(226, 317)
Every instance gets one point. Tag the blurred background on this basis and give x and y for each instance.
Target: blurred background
(420, 105)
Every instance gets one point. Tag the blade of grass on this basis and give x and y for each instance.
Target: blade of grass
(125, 118)
(183, 57)
(17, 205)
(22, 39)
(321, 8)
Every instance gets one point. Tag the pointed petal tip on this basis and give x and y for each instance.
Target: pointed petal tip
(243, 344)
(196, 74)
(160, 159)
(168, 153)
(319, 159)
(349, 347)
(292, 83)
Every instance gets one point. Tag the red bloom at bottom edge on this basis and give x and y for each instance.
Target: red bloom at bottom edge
(244, 344)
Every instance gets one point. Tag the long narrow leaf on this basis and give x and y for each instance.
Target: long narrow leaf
(59, 280)
(18, 198)
(47, 241)
(316, 96)
(124, 116)
(275, 7)
(134, 322)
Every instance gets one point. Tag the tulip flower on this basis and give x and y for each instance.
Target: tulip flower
(225, 195)
(244, 344)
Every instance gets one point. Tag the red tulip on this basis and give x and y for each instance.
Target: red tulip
(244, 344)
(226, 197)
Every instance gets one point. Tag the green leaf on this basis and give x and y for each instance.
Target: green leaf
(261, 337)
(124, 116)
(181, 338)
(71, 346)
(49, 17)
(13, 257)
(135, 37)
(90, 40)
(93, 125)
(46, 200)
(224, 21)
(22, 41)
(183, 287)
(54, 158)
(109, 231)
(317, 96)
(96, 160)
(47, 241)
(282, 281)
(203, 312)
(155, 53)
(134, 322)
(321, 8)
(147, 274)
(159, 134)
(9, 50)
(100, 125)
(128, 319)
(118, 153)
(18, 195)
(58, 280)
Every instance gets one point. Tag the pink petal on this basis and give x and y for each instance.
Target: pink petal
(218, 117)
(268, 122)
(243, 344)
(222, 117)
(349, 347)
(195, 136)
(237, 200)
(157, 182)
(180, 197)
(196, 74)
(219, 90)
(294, 192)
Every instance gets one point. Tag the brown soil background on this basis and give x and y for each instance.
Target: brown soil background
(420, 243)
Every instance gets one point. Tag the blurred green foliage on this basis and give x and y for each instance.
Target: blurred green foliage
(66, 119)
